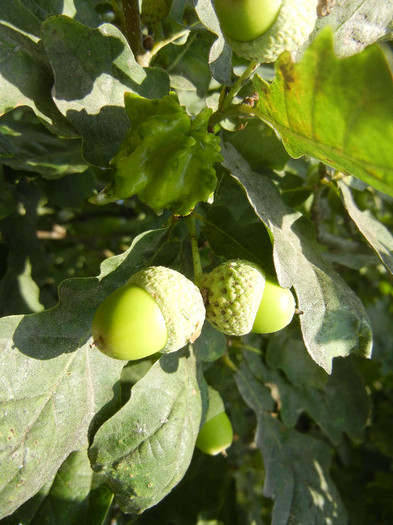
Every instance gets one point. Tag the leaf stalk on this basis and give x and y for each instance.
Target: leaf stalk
(196, 260)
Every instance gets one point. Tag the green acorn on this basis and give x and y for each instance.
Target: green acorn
(233, 292)
(216, 433)
(240, 299)
(153, 11)
(291, 27)
(157, 310)
(179, 300)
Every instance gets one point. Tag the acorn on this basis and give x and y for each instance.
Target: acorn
(157, 310)
(154, 11)
(233, 292)
(240, 298)
(216, 432)
(290, 27)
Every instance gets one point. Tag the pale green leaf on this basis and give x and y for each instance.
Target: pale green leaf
(220, 57)
(68, 499)
(376, 234)
(297, 465)
(54, 387)
(357, 24)
(145, 449)
(333, 320)
(25, 75)
(74, 497)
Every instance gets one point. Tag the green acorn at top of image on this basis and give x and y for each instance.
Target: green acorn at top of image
(239, 299)
(260, 30)
(157, 310)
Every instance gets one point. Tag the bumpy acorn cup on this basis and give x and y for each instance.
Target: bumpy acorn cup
(291, 28)
(153, 11)
(233, 292)
(157, 310)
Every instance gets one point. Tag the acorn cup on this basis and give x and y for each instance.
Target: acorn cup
(157, 310)
(232, 292)
(240, 299)
(153, 11)
(291, 23)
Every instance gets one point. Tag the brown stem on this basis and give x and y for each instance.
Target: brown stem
(132, 27)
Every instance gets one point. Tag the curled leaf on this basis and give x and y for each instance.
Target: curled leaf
(167, 157)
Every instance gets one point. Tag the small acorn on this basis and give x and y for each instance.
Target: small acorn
(240, 298)
(291, 23)
(157, 310)
(153, 11)
(233, 292)
(216, 433)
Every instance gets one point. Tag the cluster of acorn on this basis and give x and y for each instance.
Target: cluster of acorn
(160, 310)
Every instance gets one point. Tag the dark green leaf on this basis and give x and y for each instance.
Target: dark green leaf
(36, 150)
(210, 345)
(7, 198)
(26, 77)
(80, 10)
(193, 67)
(71, 191)
(258, 144)
(232, 240)
(20, 286)
(337, 403)
(187, 502)
(6, 148)
(93, 69)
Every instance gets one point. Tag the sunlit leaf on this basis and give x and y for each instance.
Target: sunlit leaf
(145, 449)
(54, 387)
(333, 320)
(93, 69)
(357, 24)
(349, 128)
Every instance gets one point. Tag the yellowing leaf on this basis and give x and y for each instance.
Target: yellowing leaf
(337, 110)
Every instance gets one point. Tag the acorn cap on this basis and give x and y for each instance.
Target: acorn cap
(179, 300)
(293, 25)
(232, 293)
